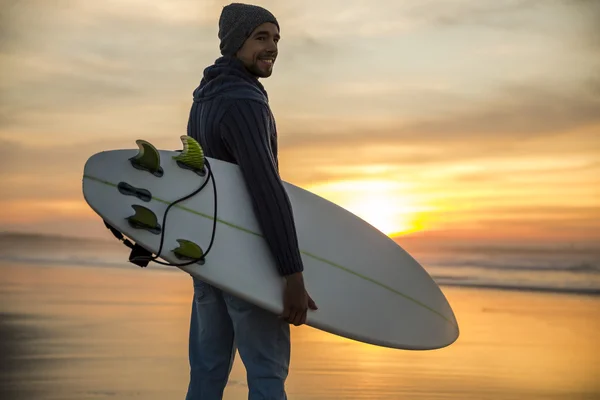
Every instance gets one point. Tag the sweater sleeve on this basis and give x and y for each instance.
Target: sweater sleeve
(245, 131)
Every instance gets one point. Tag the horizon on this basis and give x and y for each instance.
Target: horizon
(469, 121)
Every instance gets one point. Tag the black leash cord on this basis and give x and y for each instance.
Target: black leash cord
(162, 234)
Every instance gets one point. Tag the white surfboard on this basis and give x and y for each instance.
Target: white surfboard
(366, 286)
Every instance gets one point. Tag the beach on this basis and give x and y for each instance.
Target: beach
(102, 332)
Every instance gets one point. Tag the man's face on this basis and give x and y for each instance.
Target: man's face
(260, 50)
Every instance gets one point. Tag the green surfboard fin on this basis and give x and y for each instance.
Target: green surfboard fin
(147, 159)
(144, 218)
(192, 156)
(188, 250)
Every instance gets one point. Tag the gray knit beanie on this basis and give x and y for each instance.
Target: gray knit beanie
(237, 22)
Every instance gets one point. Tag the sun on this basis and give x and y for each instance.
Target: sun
(385, 213)
(381, 203)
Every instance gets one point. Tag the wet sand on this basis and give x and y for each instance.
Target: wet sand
(121, 333)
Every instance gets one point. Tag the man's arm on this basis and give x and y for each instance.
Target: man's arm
(244, 128)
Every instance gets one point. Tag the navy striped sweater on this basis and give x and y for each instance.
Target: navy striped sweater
(231, 119)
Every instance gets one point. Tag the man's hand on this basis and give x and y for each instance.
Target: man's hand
(296, 300)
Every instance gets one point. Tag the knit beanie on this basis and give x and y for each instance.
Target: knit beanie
(237, 22)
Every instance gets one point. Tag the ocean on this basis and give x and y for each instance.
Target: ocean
(551, 267)
(79, 322)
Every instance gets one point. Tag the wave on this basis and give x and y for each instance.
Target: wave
(447, 275)
(567, 261)
(502, 265)
(552, 287)
(529, 288)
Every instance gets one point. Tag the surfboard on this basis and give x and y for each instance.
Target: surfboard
(367, 287)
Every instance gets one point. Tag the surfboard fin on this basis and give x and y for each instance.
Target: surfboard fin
(188, 251)
(147, 159)
(144, 218)
(192, 156)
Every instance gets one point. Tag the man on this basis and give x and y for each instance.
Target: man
(231, 119)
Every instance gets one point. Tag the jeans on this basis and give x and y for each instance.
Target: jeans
(221, 324)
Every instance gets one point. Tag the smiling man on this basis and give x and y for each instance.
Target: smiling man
(231, 118)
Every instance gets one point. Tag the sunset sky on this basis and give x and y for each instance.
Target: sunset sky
(456, 118)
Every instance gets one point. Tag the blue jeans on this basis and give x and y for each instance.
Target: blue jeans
(221, 324)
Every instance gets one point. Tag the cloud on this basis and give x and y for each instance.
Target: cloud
(499, 14)
(75, 90)
(442, 168)
(83, 56)
(521, 110)
(333, 19)
(541, 213)
(62, 158)
(382, 89)
(38, 172)
(544, 137)
(588, 14)
(89, 60)
(514, 113)
(568, 26)
(53, 171)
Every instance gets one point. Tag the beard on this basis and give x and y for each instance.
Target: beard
(256, 70)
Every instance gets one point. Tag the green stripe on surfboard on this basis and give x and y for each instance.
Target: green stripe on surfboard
(333, 264)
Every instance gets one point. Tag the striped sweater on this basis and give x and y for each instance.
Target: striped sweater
(231, 119)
